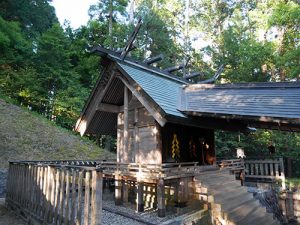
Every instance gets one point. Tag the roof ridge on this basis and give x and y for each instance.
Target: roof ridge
(140, 65)
(253, 85)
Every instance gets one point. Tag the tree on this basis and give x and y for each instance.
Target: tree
(108, 11)
(53, 66)
(35, 17)
(286, 19)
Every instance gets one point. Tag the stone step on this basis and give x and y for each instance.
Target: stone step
(244, 211)
(234, 200)
(230, 201)
(222, 182)
(209, 175)
(262, 218)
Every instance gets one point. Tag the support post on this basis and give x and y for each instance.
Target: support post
(97, 182)
(118, 190)
(140, 202)
(126, 130)
(125, 190)
(182, 192)
(161, 198)
(282, 174)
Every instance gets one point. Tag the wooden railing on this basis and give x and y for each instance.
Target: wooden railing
(55, 194)
(150, 171)
(266, 169)
(272, 169)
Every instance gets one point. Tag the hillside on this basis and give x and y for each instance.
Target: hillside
(28, 136)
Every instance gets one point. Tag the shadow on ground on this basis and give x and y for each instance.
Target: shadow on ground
(8, 217)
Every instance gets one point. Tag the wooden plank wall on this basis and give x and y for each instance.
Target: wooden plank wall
(144, 144)
(50, 194)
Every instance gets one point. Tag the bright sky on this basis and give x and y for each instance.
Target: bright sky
(75, 11)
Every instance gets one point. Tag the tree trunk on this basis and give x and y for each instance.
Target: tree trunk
(110, 16)
(131, 11)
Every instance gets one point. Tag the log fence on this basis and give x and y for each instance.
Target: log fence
(55, 194)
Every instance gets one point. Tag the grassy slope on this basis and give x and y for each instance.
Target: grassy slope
(27, 136)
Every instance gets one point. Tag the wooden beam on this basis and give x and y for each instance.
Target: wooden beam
(215, 77)
(174, 68)
(154, 112)
(193, 74)
(154, 59)
(103, 107)
(129, 44)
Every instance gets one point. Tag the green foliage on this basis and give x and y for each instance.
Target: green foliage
(12, 43)
(244, 57)
(50, 70)
(35, 17)
(256, 144)
(286, 17)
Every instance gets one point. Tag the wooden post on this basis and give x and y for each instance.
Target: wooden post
(140, 202)
(282, 175)
(97, 183)
(79, 206)
(125, 190)
(266, 169)
(161, 198)
(73, 208)
(47, 194)
(118, 190)
(61, 197)
(126, 129)
(135, 135)
(52, 195)
(87, 198)
(67, 201)
(272, 169)
(57, 194)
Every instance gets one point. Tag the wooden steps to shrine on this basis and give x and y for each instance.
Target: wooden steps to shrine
(230, 202)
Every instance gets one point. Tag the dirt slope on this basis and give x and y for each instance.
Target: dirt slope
(27, 136)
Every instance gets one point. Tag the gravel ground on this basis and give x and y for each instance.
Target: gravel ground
(9, 218)
(114, 219)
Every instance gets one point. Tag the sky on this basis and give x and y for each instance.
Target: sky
(75, 11)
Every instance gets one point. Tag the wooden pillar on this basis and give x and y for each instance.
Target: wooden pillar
(182, 191)
(161, 198)
(282, 174)
(135, 135)
(97, 182)
(125, 190)
(87, 198)
(126, 129)
(118, 190)
(140, 202)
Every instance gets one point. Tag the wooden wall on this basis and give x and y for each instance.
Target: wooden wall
(144, 145)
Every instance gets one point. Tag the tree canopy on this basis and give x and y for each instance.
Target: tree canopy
(47, 66)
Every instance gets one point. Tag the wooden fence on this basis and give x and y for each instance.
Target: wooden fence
(55, 194)
(268, 169)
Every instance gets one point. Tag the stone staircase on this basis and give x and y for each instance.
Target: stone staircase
(230, 202)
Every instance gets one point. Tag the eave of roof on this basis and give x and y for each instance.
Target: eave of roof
(263, 102)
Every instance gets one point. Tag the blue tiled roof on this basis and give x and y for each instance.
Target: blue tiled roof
(162, 89)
